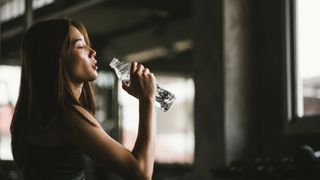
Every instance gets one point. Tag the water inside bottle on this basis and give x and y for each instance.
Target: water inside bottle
(164, 99)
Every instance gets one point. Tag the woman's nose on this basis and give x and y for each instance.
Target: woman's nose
(93, 53)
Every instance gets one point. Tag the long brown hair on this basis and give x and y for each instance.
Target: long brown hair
(45, 96)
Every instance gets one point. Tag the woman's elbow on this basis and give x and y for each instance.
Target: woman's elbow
(144, 175)
(140, 176)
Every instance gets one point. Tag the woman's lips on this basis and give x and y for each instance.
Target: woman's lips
(94, 66)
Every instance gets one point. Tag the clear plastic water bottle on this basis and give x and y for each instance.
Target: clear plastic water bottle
(164, 99)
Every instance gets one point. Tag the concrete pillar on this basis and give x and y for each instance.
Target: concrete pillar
(222, 75)
(238, 73)
(209, 87)
(28, 13)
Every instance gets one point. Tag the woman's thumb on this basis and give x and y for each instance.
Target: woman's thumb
(125, 86)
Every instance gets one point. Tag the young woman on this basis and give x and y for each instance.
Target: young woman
(54, 122)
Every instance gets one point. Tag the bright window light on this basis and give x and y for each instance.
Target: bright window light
(10, 9)
(307, 37)
(9, 88)
(175, 132)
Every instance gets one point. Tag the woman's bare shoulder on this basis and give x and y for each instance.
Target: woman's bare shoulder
(82, 116)
(83, 125)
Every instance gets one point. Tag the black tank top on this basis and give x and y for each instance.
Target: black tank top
(64, 162)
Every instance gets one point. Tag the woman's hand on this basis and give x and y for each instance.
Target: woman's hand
(142, 82)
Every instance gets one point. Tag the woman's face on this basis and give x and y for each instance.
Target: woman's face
(81, 62)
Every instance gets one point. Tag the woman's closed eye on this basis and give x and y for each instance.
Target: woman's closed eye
(84, 47)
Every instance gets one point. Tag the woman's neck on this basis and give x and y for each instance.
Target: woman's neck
(76, 89)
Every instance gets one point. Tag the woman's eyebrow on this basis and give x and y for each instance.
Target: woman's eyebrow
(76, 40)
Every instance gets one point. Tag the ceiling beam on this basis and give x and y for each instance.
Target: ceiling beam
(59, 8)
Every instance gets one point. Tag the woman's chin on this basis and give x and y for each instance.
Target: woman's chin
(92, 79)
(94, 76)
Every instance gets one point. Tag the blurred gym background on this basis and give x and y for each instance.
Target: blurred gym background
(247, 94)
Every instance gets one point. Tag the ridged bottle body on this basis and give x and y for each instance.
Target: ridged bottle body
(164, 99)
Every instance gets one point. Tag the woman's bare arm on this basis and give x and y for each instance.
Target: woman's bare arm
(94, 141)
(144, 148)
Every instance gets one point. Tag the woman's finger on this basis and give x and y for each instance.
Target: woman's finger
(133, 67)
(146, 71)
(140, 69)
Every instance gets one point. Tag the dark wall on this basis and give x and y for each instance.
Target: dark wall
(268, 79)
